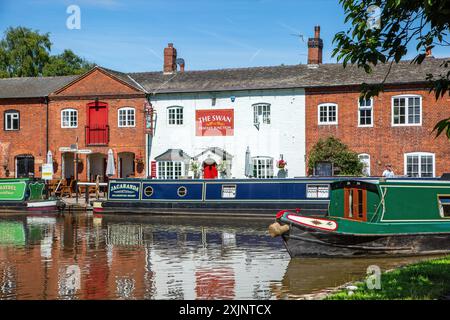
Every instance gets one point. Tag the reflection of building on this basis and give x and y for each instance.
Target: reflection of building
(70, 257)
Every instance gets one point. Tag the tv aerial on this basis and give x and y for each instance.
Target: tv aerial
(300, 36)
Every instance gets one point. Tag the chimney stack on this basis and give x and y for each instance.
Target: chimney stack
(315, 46)
(428, 53)
(170, 58)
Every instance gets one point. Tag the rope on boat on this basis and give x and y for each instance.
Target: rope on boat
(383, 195)
(349, 246)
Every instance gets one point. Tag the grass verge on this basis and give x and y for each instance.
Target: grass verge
(423, 280)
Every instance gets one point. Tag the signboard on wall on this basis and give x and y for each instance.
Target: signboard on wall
(153, 170)
(216, 122)
(47, 171)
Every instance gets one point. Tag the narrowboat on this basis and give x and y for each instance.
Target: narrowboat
(26, 194)
(235, 197)
(383, 217)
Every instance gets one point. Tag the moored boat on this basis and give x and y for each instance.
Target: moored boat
(231, 197)
(384, 217)
(26, 194)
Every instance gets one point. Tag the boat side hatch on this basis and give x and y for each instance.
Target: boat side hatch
(355, 203)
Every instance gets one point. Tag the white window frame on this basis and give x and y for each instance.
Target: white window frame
(12, 114)
(127, 110)
(328, 113)
(406, 124)
(367, 155)
(162, 165)
(265, 114)
(268, 170)
(419, 154)
(365, 108)
(69, 110)
(180, 109)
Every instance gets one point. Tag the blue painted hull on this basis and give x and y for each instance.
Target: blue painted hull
(238, 197)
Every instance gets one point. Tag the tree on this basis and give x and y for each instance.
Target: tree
(398, 25)
(333, 150)
(26, 53)
(23, 52)
(67, 63)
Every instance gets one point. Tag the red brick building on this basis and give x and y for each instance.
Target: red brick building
(374, 131)
(394, 127)
(99, 110)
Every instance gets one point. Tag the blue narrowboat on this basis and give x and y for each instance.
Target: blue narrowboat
(237, 197)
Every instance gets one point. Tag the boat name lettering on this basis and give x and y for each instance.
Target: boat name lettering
(7, 187)
(125, 186)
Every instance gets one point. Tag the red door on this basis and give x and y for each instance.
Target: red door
(97, 132)
(210, 171)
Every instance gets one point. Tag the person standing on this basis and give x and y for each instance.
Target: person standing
(388, 173)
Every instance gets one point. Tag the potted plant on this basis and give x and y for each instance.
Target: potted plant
(195, 168)
(223, 168)
(282, 171)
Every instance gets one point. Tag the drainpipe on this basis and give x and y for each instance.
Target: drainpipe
(46, 125)
(149, 141)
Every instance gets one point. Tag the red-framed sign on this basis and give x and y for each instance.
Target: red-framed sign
(216, 122)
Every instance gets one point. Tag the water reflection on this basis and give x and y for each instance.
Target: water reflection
(78, 256)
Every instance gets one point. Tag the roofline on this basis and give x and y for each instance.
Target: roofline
(288, 87)
(87, 73)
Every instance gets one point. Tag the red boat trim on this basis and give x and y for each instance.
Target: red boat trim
(311, 226)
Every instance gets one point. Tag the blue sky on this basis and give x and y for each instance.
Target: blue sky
(130, 35)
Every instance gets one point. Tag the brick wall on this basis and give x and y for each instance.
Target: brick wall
(383, 142)
(29, 140)
(121, 139)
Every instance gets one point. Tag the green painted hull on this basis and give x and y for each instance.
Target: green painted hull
(395, 217)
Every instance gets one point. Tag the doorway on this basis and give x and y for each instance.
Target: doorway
(25, 166)
(355, 203)
(210, 170)
(126, 164)
(68, 170)
(97, 166)
(97, 131)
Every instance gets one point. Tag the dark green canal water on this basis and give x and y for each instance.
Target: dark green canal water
(79, 256)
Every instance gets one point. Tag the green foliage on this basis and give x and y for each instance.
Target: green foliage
(26, 53)
(23, 52)
(333, 150)
(67, 63)
(424, 23)
(423, 280)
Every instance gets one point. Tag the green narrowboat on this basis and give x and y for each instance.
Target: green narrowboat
(26, 194)
(372, 217)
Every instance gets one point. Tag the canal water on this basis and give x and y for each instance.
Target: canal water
(81, 256)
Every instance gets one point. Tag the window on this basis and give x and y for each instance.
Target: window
(317, 191)
(169, 169)
(419, 164)
(328, 113)
(261, 113)
(406, 110)
(365, 159)
(444, 206)
(175, 115)
(365, 113)
(127, 117)
(263, 167)
(69, 118)
(12, 120)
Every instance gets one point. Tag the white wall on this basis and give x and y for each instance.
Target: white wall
(284, 135)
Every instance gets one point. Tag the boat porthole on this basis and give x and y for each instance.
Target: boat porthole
(148, 191)
(182, 191)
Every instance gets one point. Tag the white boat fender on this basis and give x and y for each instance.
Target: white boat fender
(275, 229)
